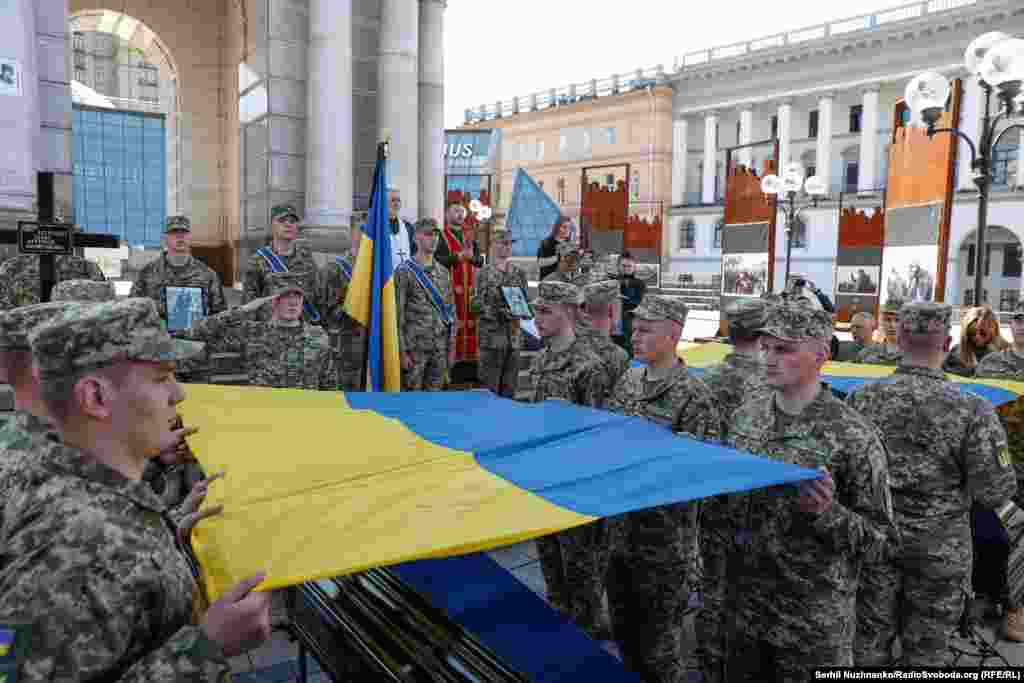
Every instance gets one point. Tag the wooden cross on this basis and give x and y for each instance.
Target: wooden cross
(47, 262)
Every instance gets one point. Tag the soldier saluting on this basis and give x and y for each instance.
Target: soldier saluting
(283, 255)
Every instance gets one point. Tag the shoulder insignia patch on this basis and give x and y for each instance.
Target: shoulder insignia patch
(15, 640)
(1004, 457)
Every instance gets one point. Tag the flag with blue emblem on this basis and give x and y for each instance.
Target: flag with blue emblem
(371, 294)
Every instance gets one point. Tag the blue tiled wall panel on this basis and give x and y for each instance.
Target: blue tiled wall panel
(120, 174)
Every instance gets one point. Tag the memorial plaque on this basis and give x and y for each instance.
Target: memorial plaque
(54, 239)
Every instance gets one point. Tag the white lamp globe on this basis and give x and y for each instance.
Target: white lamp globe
(979, 47)
(771, 184)
(1004, 63)
(927, 91)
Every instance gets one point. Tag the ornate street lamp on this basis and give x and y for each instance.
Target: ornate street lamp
(998, 61)
(789, 186)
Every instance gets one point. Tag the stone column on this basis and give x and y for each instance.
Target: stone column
(823, 153)
(19, 113)
(785, 132)
(398, 106)
(971, 107)
(680, 152)
(1020, 160)
(710, 158)
(329, 159)
(869, 142)
(431, 173)
(53, 152)
(745, 156)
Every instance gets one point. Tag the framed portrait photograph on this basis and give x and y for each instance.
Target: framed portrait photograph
(744, 274)
(185, 307)
(517, 303)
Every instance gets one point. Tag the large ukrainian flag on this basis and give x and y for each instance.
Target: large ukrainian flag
(371, 294)
(320, 484)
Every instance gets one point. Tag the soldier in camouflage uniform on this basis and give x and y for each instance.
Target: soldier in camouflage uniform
(348, 338)
(594, 327)
(571, 561)
(283, 352)
(176, 267)
(946, 450)
(652, 552)
(109, 595)
(84, 291)
(731, 382)
(19, 277)
(426, 329)
(499, 333)
(293, 257)
(569, 254)
(888, 352)
(794, 553)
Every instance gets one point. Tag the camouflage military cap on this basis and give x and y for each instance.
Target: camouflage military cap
(601, 293)
(555, 293)
(16, 323)
(568, 249)
(284, 210)
(798, 322)
(926, 318)
(748, 315)
(501, 233)
(893, 305)
(89, 337)
(282, 283)
(84, 290)
(427, 225)
(177, 223)
(660, 307)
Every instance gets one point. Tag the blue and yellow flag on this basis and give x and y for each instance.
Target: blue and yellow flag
(319, 484)
(371, 294)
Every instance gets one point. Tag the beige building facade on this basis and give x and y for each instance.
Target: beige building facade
(617, 131)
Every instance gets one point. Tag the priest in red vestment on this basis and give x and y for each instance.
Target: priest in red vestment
(460, 253)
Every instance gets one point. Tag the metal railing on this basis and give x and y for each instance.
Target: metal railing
(616, 84)
(622, 83)
(864, 22)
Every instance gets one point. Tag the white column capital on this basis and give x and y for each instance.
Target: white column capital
(828, 95)
(784, 102)
(711, 115)
(442, 3)
(872, 89)
(744, 108)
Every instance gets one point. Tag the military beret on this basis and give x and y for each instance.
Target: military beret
(88, 337)
(661, 307)
(555, 293)
(16, 323)
(177, 223)
(84, 290)
(282, 283)
(284, 210)
(568, 249)
(798, 322)
(602, 292)
(747, 315)
(924, 317)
